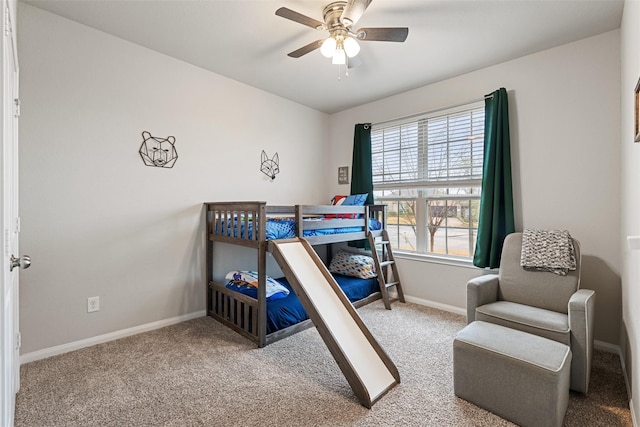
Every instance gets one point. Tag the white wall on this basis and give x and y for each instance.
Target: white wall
(630, 161)
(97, 221)
(564, 106)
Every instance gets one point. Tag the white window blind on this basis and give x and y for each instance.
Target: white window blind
(444, 149)
(427, 169)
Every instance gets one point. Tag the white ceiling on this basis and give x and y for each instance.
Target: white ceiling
(245, 40)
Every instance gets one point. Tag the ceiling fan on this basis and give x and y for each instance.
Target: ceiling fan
(342, 43)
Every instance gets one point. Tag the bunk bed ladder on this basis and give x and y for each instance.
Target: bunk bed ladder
(383, 258)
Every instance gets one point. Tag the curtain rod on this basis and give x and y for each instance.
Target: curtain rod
(490, 96)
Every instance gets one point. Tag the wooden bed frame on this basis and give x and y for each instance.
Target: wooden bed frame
(247, 315)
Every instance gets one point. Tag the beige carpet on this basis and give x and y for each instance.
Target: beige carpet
(199, 373)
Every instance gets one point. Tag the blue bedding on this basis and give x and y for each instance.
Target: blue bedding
(278, 228)
(287, 311)
(284, 312)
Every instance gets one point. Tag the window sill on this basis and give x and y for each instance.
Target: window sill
(436, 259)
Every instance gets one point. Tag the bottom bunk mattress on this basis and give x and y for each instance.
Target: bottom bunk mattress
(288, 311)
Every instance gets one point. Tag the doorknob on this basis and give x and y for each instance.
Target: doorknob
(22, 262)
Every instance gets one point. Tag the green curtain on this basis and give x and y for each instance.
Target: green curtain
(361, 170)
(496, 218)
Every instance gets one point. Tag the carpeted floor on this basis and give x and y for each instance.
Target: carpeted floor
(199, 373)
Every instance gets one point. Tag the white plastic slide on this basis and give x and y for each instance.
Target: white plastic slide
(363, 362)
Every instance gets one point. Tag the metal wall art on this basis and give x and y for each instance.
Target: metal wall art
(269, 166)
(158, 152)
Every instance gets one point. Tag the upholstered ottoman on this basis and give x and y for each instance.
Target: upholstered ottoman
(521, 377)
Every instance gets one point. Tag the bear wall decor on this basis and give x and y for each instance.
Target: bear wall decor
(158, 152)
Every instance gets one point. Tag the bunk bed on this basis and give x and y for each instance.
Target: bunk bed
(253, 225)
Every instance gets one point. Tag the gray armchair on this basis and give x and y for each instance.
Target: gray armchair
(540, 303)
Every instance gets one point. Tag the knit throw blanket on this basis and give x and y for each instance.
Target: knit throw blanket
(548, 250)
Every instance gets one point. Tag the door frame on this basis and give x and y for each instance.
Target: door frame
(9, 321)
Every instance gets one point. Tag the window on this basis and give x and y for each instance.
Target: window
(428, 171)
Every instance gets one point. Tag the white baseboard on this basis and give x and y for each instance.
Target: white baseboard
(76, 345)
(111, 336)
(439, 306)
(615, 349)
(612, 348)
(625, 375)
(608, 347)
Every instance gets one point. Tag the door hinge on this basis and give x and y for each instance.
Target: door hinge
(18, 225)
(18, 340)
(6, 21)
(17, 102)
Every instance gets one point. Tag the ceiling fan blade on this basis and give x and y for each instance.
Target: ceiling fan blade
(383, 34)
(299, 18)
(353, 11)
(306, 49)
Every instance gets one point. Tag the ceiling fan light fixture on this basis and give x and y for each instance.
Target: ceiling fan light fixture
(328, 47)
(351, 47)
(342, 45)
(339, 57)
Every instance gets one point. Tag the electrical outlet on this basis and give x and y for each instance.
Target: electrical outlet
(93, 304)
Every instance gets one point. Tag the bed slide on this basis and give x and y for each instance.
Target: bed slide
(365, 365)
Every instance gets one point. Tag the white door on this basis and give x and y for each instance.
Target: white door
(10, 337)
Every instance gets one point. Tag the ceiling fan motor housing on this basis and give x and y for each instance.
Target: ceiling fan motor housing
(332, 14)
